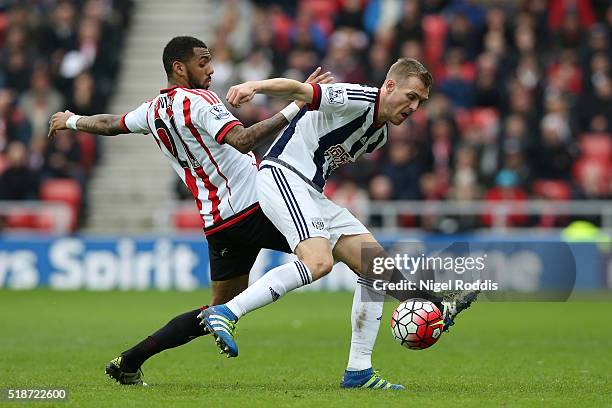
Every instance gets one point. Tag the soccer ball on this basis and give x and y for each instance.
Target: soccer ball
(417, 324)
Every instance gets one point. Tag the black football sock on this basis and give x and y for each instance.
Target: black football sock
(178, 331)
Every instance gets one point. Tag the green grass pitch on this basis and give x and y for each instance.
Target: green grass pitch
(293, 353)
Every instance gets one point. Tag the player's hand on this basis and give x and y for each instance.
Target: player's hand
(241, 93)
(317, 78)
(58, 122)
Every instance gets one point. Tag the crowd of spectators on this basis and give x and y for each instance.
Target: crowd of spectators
(521, 106)
(54, 55)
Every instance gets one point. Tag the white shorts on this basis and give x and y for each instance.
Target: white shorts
(299, 211)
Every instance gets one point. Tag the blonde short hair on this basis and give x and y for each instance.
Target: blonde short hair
(407, 67)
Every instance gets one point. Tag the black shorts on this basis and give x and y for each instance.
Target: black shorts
(233, 250)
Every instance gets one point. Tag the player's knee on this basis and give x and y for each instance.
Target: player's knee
(316, 255)
(319, 265)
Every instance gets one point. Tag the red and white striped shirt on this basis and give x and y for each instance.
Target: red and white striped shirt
(189, 126)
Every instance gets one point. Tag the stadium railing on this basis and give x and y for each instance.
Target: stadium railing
(182, 215)
(499, 211)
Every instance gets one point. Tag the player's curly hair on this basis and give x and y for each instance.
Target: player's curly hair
(180, 49)
(407, 67)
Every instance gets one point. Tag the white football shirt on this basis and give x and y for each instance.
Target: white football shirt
(189, 126)
(337, 127)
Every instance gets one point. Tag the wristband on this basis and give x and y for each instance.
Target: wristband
(71, 122)
(290, 111)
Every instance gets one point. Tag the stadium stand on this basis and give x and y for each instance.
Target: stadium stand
(522, 93)
(55, 55)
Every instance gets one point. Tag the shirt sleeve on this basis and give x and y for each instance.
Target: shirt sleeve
(136, 120)
(342, 98)
(215, 119)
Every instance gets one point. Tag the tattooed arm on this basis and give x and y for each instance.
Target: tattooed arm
(245, 139)
(107, 125)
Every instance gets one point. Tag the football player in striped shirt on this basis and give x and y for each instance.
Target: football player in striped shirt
(341, 123)
(210, 151)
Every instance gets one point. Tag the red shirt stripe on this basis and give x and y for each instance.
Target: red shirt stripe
(231, 221)
(209, 94)
(212, 194)
(214, 96)
(207, 98)
(225, 130)
(193, 188)
(198, 137)
(196, 134)
(316, 97)
(168, 89)
(176, 125)
(123, 125)
(212, 189)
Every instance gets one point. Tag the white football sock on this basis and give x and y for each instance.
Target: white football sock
(270, 287)
(365, 321)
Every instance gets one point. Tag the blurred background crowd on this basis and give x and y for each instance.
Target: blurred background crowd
(521, 106)
(54, 55)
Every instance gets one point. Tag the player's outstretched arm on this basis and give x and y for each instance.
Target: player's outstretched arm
(281, 87)
(104, 124)
(245, 139)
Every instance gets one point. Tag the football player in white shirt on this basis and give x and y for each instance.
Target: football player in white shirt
(340, 123)
(204, 144)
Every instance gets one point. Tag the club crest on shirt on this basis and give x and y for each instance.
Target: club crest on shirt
(335, 95)
(219, 112)
(318, 223)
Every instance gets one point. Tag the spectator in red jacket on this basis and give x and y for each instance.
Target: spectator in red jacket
(558, 9)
